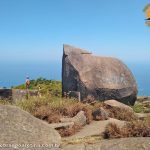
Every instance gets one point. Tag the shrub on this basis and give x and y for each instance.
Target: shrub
(138, 108)
(72, 110)
(47, 86)
(69, 131)
(120, 114)
(112, 131)
(137, 128)
(47, 114)
(52, 108)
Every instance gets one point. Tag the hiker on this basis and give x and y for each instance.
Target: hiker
(27, 82)
(39, 91)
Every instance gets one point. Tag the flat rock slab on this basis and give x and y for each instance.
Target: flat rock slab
(95, 128)
(19, 127)
(139, 143)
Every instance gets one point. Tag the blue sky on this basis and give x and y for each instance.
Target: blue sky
(35, 30)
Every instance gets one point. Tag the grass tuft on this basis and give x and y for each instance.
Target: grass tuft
(136, 128)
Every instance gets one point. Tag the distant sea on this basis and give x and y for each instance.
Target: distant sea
(12, 74)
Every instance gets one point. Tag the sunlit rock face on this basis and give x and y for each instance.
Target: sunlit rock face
(103, 78)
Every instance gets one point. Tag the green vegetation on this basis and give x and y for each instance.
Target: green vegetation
(142, 104)
(46, 86)
(138, 108)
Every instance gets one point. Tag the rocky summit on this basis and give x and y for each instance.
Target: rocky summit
(103, 78)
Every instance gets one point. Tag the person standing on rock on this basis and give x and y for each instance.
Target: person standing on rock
(27, 87)
(27, 82)
(39, 91)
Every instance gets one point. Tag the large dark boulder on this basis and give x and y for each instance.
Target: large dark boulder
(103, 78)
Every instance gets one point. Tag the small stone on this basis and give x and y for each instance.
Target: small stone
(79, 119)
(100, 114)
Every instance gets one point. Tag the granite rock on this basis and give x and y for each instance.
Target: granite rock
(102, 77)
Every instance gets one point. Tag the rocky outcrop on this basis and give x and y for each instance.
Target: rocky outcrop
(19, 127)
(115, 104)
(102, 77)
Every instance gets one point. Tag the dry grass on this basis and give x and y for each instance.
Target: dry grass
(120, 114)
(71, 109)
(112, 131)
(98, 105)
(52, 109)
(117, 113)
(47, 114)
(32, 104)
(69, 131)
(137, 128)
(5, 102)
